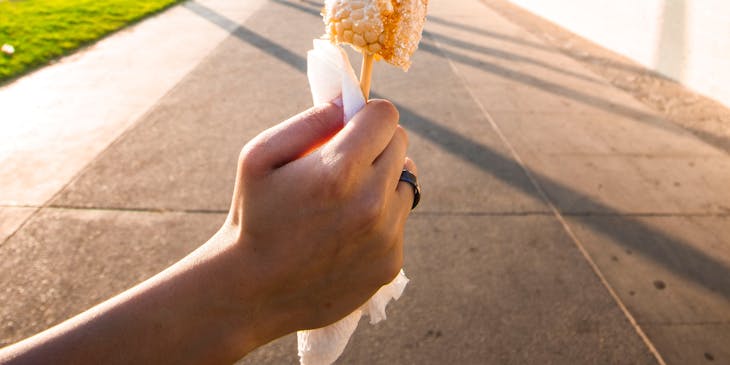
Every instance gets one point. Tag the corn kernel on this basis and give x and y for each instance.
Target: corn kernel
(371, 36)
(358, 27)
(358, 40)
(390, 29)
(357, 14)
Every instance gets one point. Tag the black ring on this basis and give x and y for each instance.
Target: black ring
(408, 177)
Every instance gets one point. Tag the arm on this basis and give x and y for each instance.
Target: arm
(315, 228)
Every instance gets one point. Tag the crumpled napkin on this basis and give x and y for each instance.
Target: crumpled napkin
(331, 77)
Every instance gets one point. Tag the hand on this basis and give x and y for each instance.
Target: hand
(315, 228)
(320, 212)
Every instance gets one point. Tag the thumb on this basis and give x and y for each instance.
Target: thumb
(292, 138)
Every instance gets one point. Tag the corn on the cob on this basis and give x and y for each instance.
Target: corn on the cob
(388, 29)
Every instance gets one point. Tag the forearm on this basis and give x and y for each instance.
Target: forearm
(315, 229)
(179, 316)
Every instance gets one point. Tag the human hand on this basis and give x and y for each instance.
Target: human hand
(315, 228)
(319, 213)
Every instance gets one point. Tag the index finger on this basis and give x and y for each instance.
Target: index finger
(369, 132)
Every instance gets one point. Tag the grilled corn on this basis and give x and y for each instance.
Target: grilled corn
(388, 29)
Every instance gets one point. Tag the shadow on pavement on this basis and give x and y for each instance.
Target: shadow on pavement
(509, 56)
(719, 142)
(713, 139)
(316, 4)
(491, 34)
(671, 253)
(461, 44)
(306, 9)
(535, 45)
(249, 36)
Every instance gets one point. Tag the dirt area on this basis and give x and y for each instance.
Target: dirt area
(705, 117)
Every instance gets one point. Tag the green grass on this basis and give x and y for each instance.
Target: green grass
(41, 30)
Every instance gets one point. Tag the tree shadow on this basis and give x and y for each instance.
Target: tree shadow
(668, 252)
(491, 34)
(653, 120)
(542, 47)
(671, 253)
(303, 8)
(318, 5)
(470, 46)
(241, 32)
(509, 56)
(718, 141)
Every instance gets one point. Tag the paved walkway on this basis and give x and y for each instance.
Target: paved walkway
(563, 221)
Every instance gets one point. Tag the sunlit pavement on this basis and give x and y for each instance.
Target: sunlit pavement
(562, 221)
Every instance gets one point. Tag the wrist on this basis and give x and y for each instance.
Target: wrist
(234, 291)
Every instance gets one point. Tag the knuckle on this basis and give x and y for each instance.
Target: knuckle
(402, 135)
(318, 116)
(411, 166)
(248, 159)
(388, 111)
(252, 161)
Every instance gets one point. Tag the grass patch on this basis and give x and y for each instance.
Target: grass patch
(41, 30)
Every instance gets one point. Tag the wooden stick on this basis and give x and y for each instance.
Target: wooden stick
(366, 72)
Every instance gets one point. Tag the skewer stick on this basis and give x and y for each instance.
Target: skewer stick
(366, 72)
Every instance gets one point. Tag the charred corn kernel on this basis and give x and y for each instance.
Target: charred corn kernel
(390, 29)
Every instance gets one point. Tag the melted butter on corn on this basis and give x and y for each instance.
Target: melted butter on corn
(389, 29)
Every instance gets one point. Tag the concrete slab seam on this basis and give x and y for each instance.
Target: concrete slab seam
(680, 324)
(137, 210)
(142, 116)
(21, 225)
(420, 213)
(648, 214)
(479, 214)
(556, 213)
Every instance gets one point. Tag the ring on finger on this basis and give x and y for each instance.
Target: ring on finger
(411, 179)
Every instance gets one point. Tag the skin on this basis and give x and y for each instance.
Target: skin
(315, 228)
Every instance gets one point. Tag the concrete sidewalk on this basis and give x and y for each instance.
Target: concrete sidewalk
(563, 221)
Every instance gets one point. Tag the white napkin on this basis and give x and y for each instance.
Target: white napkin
(331, 77)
